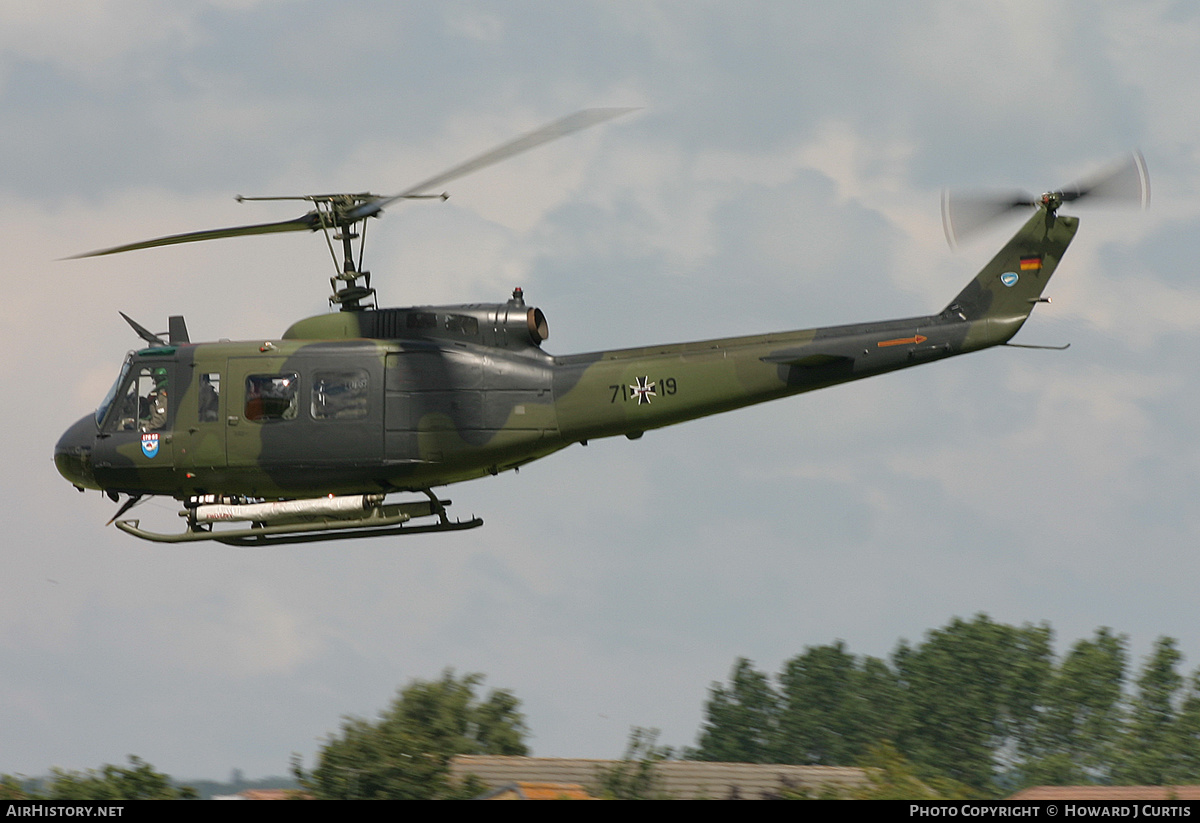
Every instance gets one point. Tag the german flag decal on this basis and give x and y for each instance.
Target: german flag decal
(1031, 262)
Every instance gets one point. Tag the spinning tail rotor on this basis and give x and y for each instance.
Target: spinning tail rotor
(1123, 183)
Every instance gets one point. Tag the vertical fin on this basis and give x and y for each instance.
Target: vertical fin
(1005, 291)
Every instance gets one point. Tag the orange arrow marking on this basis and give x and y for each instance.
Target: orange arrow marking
(903, 341)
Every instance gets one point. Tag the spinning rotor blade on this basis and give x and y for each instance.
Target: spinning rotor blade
(552, 131)
(309, 222)
(1124, 182)
(964, 213)
(342, 210)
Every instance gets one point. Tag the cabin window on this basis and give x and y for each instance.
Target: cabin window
(272, 397)
(462, 325)
(418, 320)
(340, 395)
(210, 396)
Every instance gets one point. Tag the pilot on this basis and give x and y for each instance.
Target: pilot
(208, 399)
(158, 401)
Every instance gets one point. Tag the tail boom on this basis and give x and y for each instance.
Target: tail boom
(629, 391)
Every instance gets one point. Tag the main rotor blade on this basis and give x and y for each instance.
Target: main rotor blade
(309, 222)
(552, 131)
(338, 217)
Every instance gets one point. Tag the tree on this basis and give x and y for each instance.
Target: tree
(972, 692)
(109, 783)
(1076, 738)
(741, 720)
(406, 754)
(1149, 744)
(634, 778)
(891, 777)
(1187, 733)
(983, 704)
(834, 707)
(13, 788)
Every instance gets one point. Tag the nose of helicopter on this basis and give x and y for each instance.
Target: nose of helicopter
(73, 453)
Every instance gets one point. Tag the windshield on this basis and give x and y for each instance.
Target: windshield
(112, 393)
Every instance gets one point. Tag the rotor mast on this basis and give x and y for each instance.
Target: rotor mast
(349, 295)
(332, 216)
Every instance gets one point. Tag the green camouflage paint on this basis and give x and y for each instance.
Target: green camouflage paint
(411, 399)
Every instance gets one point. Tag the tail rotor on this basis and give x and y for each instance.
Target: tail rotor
(1125, 182)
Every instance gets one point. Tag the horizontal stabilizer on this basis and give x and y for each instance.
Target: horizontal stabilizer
(806, 359)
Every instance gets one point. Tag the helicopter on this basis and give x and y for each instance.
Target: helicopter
(304, 437)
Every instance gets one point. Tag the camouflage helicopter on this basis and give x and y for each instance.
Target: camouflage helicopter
(304, 437)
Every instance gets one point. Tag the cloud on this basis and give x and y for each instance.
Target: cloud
(783, 173)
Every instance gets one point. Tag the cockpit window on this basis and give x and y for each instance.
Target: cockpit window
(140, 402)
(102, 410)
(272, 397)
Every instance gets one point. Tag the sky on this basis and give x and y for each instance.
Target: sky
(783, 171)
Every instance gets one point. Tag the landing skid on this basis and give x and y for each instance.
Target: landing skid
(376, 521)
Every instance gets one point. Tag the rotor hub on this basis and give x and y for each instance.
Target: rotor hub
(1051, 201)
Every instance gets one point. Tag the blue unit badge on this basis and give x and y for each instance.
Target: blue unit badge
(1009, 278)
(150, 445)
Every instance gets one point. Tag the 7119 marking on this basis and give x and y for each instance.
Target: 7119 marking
(643, 390)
